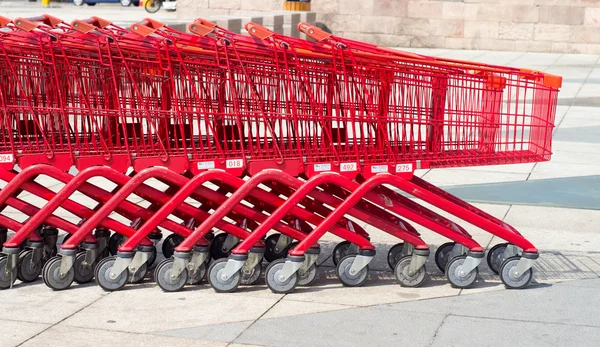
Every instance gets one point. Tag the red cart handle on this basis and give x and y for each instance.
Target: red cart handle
(258, 31)
(201, 27)
(146, 27)
(313, 32)
(4, 21)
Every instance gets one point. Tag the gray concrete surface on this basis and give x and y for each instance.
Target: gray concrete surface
(554, 204)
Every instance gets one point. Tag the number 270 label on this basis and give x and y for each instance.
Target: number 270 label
(6, 158)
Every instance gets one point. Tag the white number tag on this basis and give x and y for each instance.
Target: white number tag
(322, 167)
(379, 168)
(234, 163)
(345, 167)
(206, 165)
(404, 167)
(6, 158)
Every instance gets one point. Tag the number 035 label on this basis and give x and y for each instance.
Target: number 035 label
(6, 158)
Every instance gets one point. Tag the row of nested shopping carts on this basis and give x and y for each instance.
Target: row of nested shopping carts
(248, 148)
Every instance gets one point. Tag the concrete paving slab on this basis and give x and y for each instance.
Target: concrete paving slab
(289, 306)
(448, 177)
(62, 335)
(34, 302)
(548, 170)
(463, 331)
(562, 306)
(145, 308)
(220, 332)
(557, 229)
(355, 327)
(571, 192)
(13, 333)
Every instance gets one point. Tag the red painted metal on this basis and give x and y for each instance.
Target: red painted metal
(214, 106)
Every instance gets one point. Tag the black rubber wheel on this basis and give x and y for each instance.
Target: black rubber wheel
(162, 275)
(51, 274)
(169, 245)
(395, 254)
(27, 271)
(405, 278)
(215, 280)
(139, 275)
(507, 274)
(495, 257)
(83, 273)
(308, 277)
(442, 255)
(216, 247)
(351, 280)
(6, 280)
(341, 250)
(102, 275)
(152, 257)
(454, 276)
(274, 283)
(272, 254)
(114, 242)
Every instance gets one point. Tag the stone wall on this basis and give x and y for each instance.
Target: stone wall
(520, 25)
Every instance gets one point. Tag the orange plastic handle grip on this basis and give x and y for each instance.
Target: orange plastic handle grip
(141, 29)
(46, 19)
(25, 24)
(258, 31)
(549, 80)
(313, 32)
(201, 27)
(82, 26)
(4, 21)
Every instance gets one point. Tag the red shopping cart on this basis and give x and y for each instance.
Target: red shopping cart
(273, 140)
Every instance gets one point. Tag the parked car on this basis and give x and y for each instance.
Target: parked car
(94, 2)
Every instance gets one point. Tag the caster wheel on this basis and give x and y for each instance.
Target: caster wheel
(169, 245)
(307, 278)
(272, 254)
(453, 272)
(495, 257)
(348, 279)
(103, 270)
(341, 250)
(49, 253)
(220, 285)
(51, 274)
(83, 273)
(139, 275)
(151, 258)
(162, 275)
(252, 276)
(114, 242)
(216, 247)
(442, 255)
(395, 254)
(275, 283)
(197, 276)
(403, 275)
(512, 280)
(28, 271)
(6, 280)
